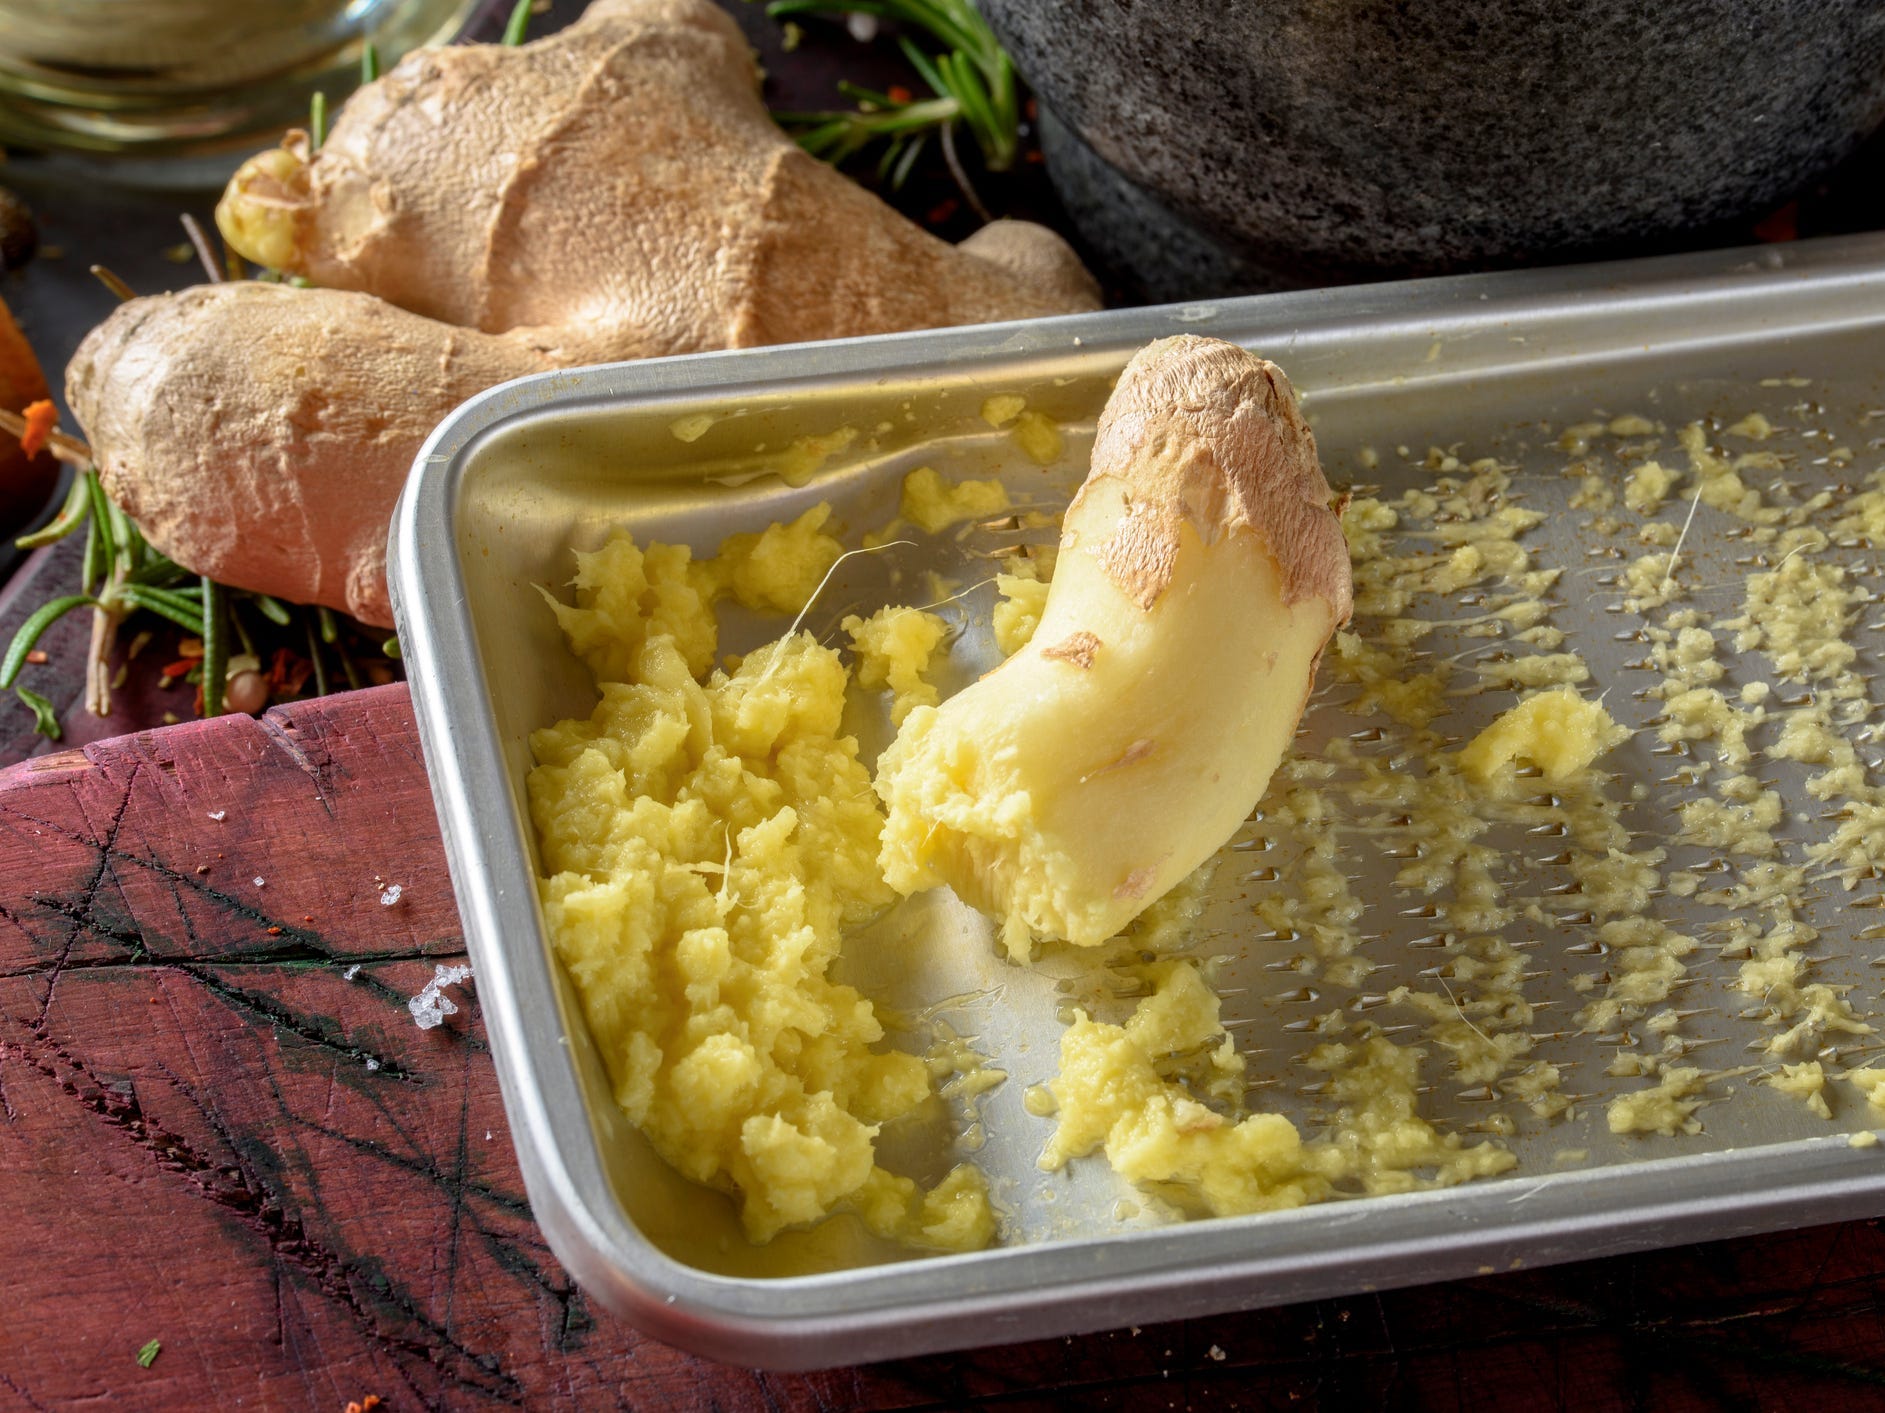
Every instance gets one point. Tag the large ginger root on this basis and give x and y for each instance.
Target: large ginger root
(1201, 572)
(613, 191)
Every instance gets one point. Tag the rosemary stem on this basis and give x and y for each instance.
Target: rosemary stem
(347, 666)
(106, 616)
(205, 255)
(314, 656)
(111, 282)
(242, 629)
(962, 177)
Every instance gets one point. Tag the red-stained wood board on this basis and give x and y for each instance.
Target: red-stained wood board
(220, 1129)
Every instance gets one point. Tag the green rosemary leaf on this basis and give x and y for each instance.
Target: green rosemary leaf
(148, 1354)
(901, 172)
(45, 719)
(317, 119)
(92, 563)
(160, 603)
(519, 24)
(273, 610)
(101, 519)
(159, 570)
(215, 643)
(35, 626)
(78, 505)
(920, 61)
(369, 62)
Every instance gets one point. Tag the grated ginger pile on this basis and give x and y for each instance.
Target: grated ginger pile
(707, 839)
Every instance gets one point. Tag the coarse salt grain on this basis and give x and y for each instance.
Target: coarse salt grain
(219, 815)
(430, 1007)
(260, 882)
(391, 894)
(351, 972)
(372, 1064)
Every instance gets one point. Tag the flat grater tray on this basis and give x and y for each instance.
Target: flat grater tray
(1663, 930)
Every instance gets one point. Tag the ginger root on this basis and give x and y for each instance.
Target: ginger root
(613, 191)
(1201, 572)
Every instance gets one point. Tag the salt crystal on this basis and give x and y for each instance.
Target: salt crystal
(372, 1064)
(430, 1007)
(391, 895)
(863, 27)
(351, 972)
(260, 882)
(219, 815)
(1216, 1353)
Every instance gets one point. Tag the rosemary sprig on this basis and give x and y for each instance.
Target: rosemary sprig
(123, 576)
(972, 83)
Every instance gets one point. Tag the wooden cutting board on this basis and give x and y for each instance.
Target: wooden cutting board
(221, 1129)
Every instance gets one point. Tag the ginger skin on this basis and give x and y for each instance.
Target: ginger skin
(616, 190)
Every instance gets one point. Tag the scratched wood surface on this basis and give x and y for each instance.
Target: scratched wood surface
(220, 1129)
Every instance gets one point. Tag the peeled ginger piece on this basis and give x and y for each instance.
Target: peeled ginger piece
(1201, 571)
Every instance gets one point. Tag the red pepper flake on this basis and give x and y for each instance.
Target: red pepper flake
(943, 211)
(363, 1405)
(38, 657)
(288, 673)
(176, 669)
(897, 93)
(308, 918)
(41, 417)
(274, 932)
(1032, 109)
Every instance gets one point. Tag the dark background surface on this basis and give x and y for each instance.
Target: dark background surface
(192, 1148)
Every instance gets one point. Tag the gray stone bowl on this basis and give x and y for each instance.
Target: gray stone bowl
(1211, 146)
